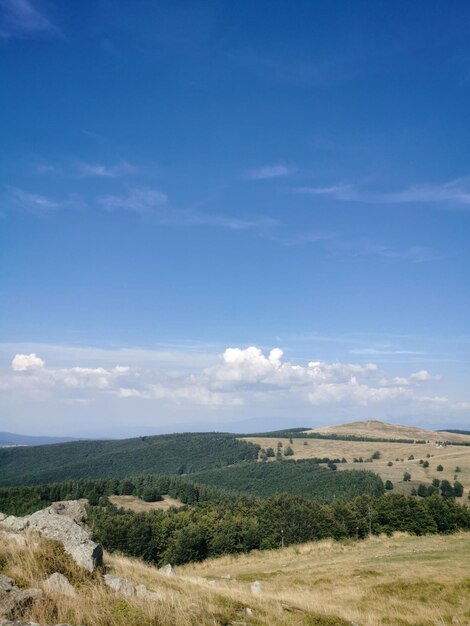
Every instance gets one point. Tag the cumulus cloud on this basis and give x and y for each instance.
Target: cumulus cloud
(24, 362)
(240, 376)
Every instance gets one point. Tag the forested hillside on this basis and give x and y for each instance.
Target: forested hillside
(164, 454)
(304, 478)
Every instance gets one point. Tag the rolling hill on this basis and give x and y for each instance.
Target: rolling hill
(161, 454)
(379, 429)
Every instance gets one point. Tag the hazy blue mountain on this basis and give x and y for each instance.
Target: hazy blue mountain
(12, 439)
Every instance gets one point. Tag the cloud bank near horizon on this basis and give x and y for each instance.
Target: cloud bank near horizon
(238, 381)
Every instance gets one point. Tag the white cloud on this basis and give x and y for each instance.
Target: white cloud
(270, 171)
(239, 376)
(24, 362)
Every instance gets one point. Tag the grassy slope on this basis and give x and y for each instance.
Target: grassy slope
(133, 503)
(404, 581)
(449, 457)
(165, 454)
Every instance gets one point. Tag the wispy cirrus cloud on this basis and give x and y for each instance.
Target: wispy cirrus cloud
(454, 192)
(20, 19)
(148, 202)
(99, 170)
(40, 204)
(336, 244)
(270, 171)
(140, 200)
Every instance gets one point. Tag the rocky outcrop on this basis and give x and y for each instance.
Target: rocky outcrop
(58, 583)
(14, 600)
(63, 522)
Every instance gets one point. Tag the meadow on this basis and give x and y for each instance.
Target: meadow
(382, 581)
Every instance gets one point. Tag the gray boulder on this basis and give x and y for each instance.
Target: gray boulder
(255, 587)
(120, 585)
(59, 583)
(167, 570)
(62, 521)
(13, 600)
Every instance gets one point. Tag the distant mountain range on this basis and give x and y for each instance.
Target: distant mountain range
(12, 439)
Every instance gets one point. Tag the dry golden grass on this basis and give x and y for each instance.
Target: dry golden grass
(185, 601)
(399, 581)
(449, 457)
(132, 503)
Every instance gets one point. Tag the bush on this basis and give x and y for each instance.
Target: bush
(422, 490)
(376, 455)
(411, 457)
(425, 463)
(388, 485)
(458, 489)
(406, 476)
(390, 464)
(440, 468)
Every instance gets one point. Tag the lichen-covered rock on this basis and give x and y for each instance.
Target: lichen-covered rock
(120, 585)
(58, 582)
(14, 600)
(62, 521)
(167, 570)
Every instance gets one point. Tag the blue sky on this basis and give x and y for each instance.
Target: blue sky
(183, 178)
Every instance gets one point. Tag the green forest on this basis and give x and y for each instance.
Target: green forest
(163, 454)
(304, 478)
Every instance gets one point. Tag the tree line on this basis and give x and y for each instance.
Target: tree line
(211, 529)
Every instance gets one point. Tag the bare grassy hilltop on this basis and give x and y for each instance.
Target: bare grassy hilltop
(377, 428)
(421, 460)
(400, 580)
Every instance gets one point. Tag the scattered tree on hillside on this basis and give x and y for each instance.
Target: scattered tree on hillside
(288, 451)
(407, 476)
(440, 468)
(388, 485)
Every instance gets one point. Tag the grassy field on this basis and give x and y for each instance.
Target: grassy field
(449, 457)
(133, 503)
(399, 581)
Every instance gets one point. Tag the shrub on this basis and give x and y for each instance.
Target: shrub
(425, 463)
(390, 464)
(411, 457)
(440, 468)
(388, 485)
(407, 476)
(376, 455)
